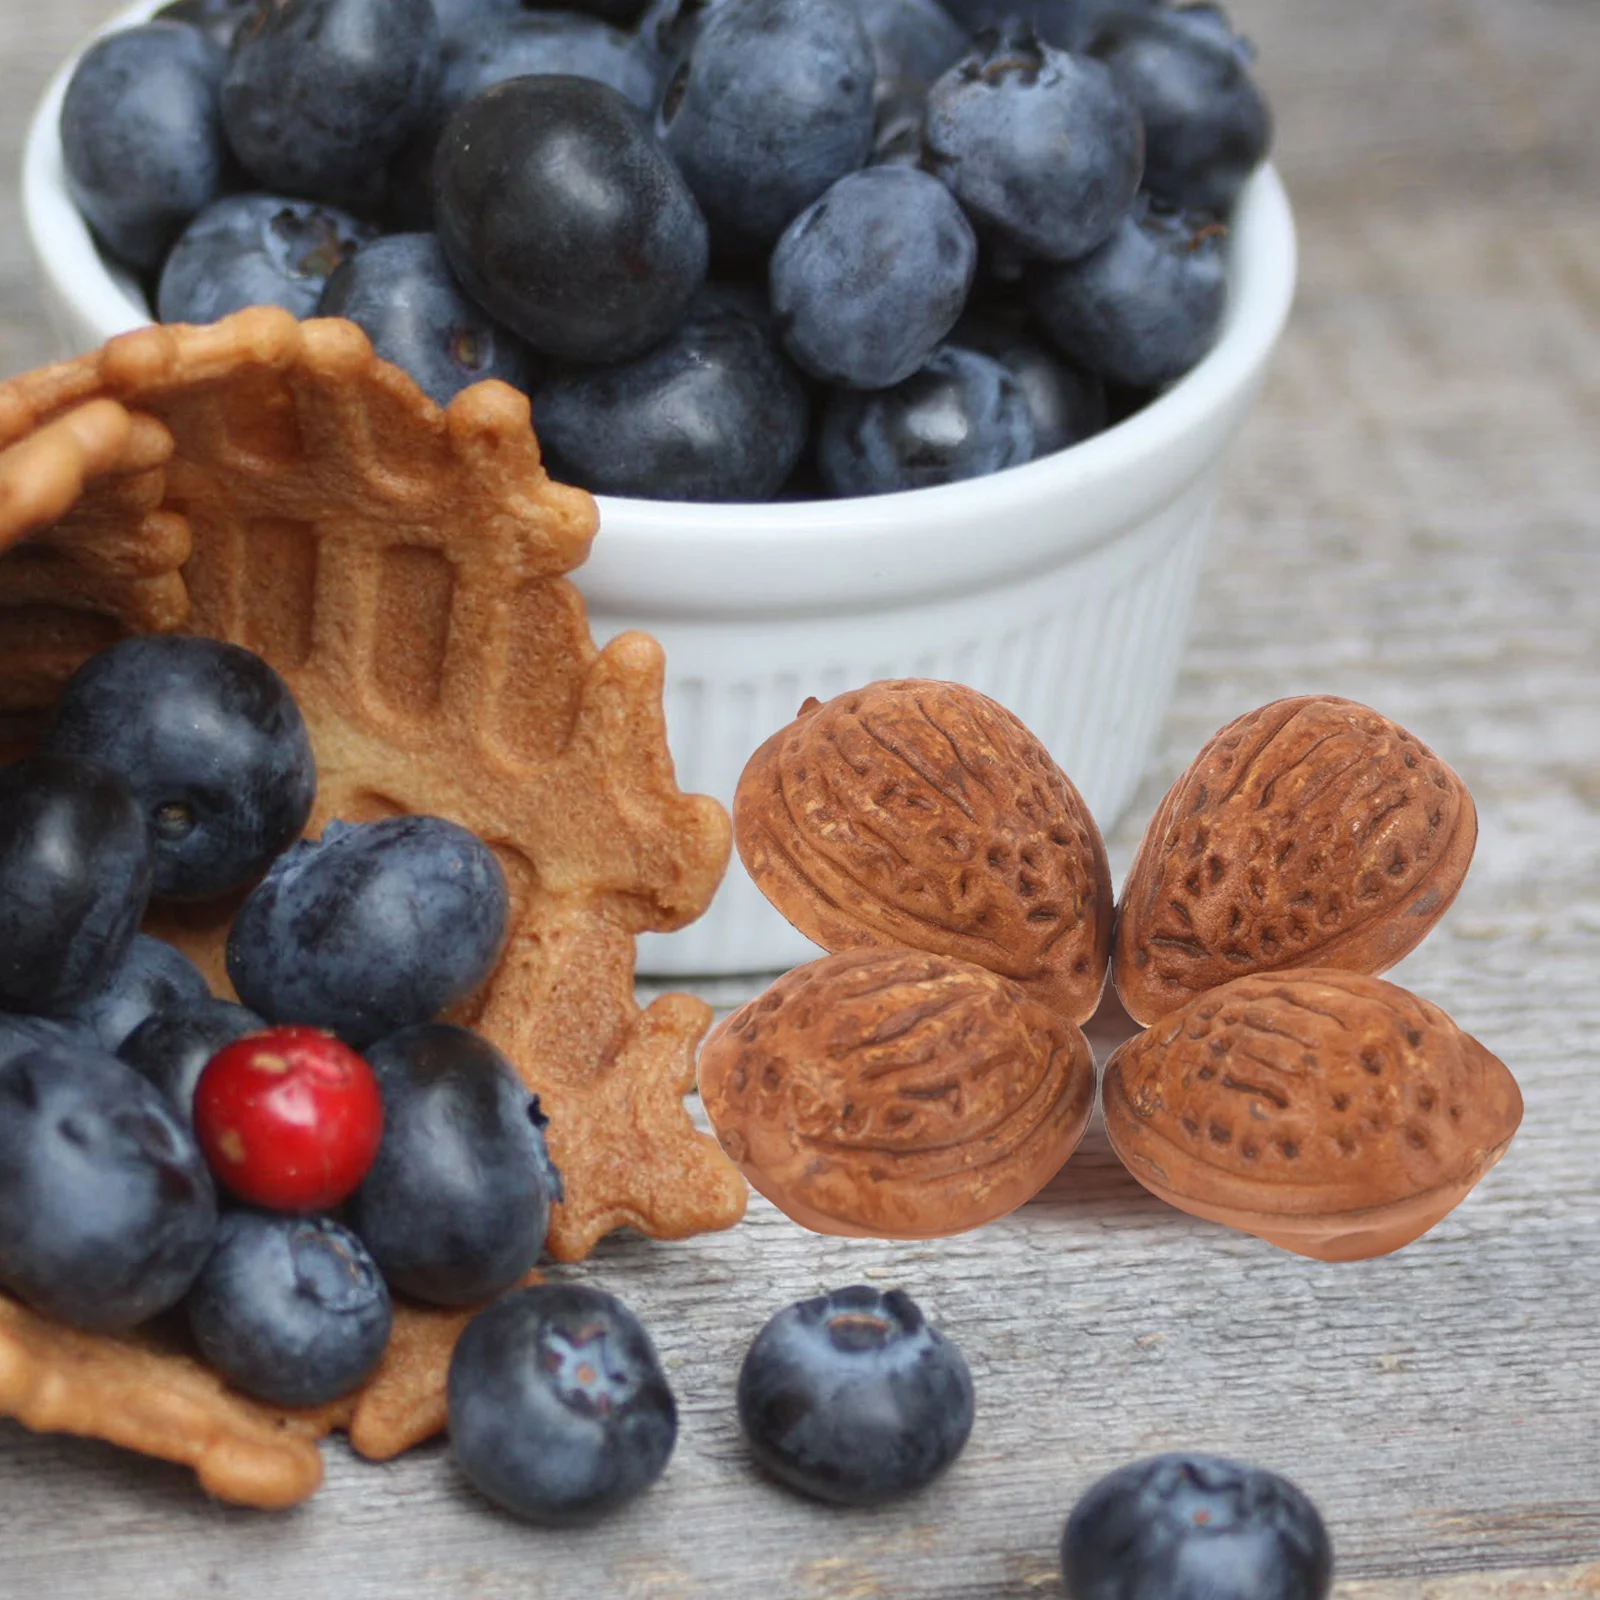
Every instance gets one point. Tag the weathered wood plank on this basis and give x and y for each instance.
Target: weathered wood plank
(1411, 520)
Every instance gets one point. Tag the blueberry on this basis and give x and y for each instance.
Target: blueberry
(456, 1206)
(172, 1046)
(1067, 24)
(773, 103)
(563, 217)
(371, 928)
(962, 416)
(106, 1208)
(1145, 306)
(21, 1033)
(289, 1309)
(75, 870)
(254, 249)
(1206, 125)
(152, 977)
(1041, 146)
(141, 137)
(714, 413)
(870, 278)
(619, 13)
(911, 38)
(563, 42)
(852, 1397)
(320, 93)
(559, 1409)
(401, 291)
(217, 19)
(1195, 1527)
(1066, 403)
(212, 745)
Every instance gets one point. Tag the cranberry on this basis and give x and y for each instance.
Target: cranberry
(289, 1118)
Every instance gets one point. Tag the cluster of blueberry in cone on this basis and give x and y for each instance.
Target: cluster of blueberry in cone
(732, 249)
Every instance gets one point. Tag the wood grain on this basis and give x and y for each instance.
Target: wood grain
(1410, 521)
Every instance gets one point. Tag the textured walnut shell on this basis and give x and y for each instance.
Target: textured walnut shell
(896, 1094)
(924, 815)
(1310, 833)
(1330, 1113)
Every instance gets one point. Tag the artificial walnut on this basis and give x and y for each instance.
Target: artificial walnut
(1310, 833)
(897, 1094)
(1329, 1113)
(922, 814)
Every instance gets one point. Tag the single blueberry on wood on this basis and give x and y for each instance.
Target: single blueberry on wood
(371, 928)
(210, 741)
(75, 873)
(559, 1409)
(107, 1211)
(456, 1206)
(141, 137)
(255, 249)
(292, 1310)
(565, 219)
(852, 1397)
(1195, 1527)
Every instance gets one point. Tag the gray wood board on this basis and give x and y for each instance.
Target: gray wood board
(1412, 519)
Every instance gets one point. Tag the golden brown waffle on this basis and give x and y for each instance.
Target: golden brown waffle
(273, 483)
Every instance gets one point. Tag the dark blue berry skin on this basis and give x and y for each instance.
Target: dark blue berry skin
(106, 1208)
(141, 137)
(290, 1309)
(1206, 124)
(1067, 24)
(1040, 146)
(563, 217)
(371, 928)
(912, 38)
(1067, 403)
(172, 1046)
(212, 744)
(1145, 306)
(456, 1206)
(716, 412)
(852, 1397)
(320, 93)
(962, 416)
(559, 1409)
(402, 293)
(75, 872)
(21, 1033)
(897, 123)
(153, 976)
(869, 279)
(255, 249)
(1195, 1527)
(773, 104)
(218, 19)
(561, 42)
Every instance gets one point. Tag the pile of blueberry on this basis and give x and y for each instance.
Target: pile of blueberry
(732, 249)
(268, 1171)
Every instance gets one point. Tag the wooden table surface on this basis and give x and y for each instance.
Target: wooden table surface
(1412, 519)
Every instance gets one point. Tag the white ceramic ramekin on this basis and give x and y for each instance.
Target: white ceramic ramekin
(1061, 588)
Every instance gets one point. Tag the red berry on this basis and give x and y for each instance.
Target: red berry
(289, 1119)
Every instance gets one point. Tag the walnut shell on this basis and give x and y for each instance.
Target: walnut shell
(924, 815)
(1310, 833)
(1329, 1113)
(896, 1094)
